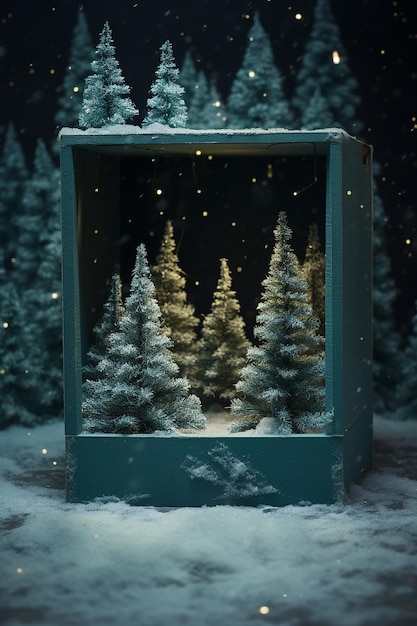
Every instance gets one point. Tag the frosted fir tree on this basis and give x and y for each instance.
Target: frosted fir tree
(317, 113)
(257, 98)
(136, 388)
(282, 380)
(387, 355)
(188, 78)
(113, 311)
(406, 396)
(37, 276)
(79, 67)
(325, 66)
(13, 177)
(314, 268)
(15, 383)
(179, 320)
(223, 342)
(105, 98)
(206, 109)
(166, 105)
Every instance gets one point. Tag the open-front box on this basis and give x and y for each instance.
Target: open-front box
(223, 191)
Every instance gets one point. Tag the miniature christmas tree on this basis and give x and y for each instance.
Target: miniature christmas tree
(13, 177)
(223, 344)
(282, 378)
(105, 100)
(179, 320)
(257, 98)
(72, 90)
(314, 273)
(166, 105)
(324, 66)
(406, 396)
(137, 389)
(188, 78)
(113, 312)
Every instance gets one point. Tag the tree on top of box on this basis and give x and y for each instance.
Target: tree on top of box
(105, 92)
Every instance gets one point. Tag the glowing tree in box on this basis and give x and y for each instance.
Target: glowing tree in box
(137, 389)
(179, 320)
(283, 376)
(223, 343)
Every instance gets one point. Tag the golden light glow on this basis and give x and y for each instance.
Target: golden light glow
(205, 213)
(348, 193)
(251, 74)
(44, 451)
(335, 57)
(269, 171)
(76, 89)
(5, 324)
(19, 570)
(2, 372)
(408, 241)
(198, 152)
(199, 191)
(264, 610)
(298, 16)
(253, 180)
(159, 192)
(96, 190)
(54, 296)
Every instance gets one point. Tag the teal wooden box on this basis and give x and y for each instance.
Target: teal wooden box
(151, 470)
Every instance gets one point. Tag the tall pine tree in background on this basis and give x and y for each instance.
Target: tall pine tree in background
(325, 66)
(137, 388)
(257, 98)
(16, 384)
(79, 67)
(317, 113)
(314, 267)
(388, 359)
(187, 78)
(283, 376)
(406, 397)
(166, 104)
(206, 109)
(105, 98)
(37, 276)
(179, 320)
(223, 343)
(13, 177)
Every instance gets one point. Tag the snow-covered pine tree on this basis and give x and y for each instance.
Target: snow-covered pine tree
(72, 90)
(166, 105)
(137, 388)
(37, 276)
(387, 356)
(314, 268)
(223, 343)
(13, 177)
(325, 66)
(188, 78)
(178, 315)
(15, 382)
(283, 376)
(113, 311)
(105, 98)
(257, 98)
(406, 396)
(206, 109)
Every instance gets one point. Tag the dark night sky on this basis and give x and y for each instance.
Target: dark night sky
(380, 39)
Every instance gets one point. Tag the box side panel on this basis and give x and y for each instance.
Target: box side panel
(357, 451)
(357, 284)
(71, 295)
(196, 471)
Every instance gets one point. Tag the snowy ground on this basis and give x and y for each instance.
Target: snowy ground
(77, 565)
